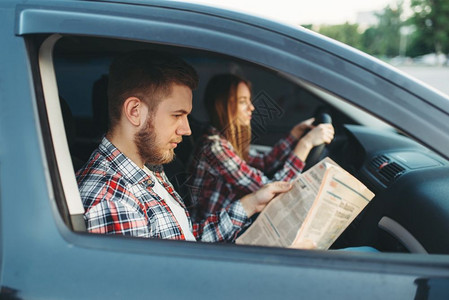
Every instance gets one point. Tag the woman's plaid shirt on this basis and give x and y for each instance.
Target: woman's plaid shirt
(218, 176)
(118, 198)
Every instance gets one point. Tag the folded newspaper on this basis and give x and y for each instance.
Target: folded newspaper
(323, 201)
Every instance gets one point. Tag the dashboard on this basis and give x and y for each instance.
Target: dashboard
(411, 185)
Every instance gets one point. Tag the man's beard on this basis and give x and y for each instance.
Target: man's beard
(148, 150)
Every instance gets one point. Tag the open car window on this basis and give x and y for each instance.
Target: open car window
(76, 100)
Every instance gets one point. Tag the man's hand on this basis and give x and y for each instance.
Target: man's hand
(255, 202)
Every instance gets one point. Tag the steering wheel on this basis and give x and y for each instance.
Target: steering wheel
(316, 154)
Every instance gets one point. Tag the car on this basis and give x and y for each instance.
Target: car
(392, 133)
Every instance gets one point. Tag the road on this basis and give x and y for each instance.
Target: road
(437, 77)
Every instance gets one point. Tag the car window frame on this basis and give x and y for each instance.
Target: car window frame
(100, 242)
(58, 134)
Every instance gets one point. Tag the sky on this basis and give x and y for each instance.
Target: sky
(302, 11)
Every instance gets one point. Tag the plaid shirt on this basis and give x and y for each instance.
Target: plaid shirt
(118, 198)
(218, 176)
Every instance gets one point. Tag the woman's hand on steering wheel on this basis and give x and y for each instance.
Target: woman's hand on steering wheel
(311, 146)
(300, 129)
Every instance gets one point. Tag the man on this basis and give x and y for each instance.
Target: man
(123, 186)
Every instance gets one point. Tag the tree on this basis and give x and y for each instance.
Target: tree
(345, 33)
(380, 40)
(384, 39)
(431, 18)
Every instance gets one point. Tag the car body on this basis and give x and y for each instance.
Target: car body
(54, 50)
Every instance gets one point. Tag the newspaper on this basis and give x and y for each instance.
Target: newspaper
(322, 202)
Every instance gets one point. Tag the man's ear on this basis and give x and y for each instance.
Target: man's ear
(134, 110)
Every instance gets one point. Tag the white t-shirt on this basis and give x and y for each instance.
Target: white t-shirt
(178, 210)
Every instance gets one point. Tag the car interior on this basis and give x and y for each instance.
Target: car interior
(409, 212)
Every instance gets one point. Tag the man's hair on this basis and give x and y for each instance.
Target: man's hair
(220, 99)
(147, 75)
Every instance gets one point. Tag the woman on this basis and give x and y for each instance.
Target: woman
(222, 168)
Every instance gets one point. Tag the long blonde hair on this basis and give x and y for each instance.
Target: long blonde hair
(221, 103)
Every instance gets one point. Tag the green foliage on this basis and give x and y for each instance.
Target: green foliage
(426, 31)
(431, 18)
(345, 33)
(384, 39)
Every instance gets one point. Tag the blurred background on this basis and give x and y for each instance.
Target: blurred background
(412, 35)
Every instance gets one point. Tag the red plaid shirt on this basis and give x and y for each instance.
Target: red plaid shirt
(118, 198)
(219, 176)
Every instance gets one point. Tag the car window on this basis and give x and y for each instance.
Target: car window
(74, 77)
(74, 71)
(81, 67)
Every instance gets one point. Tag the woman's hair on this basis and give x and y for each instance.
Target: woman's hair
(221, 104)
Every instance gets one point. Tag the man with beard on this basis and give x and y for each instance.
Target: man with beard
(123, 186)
